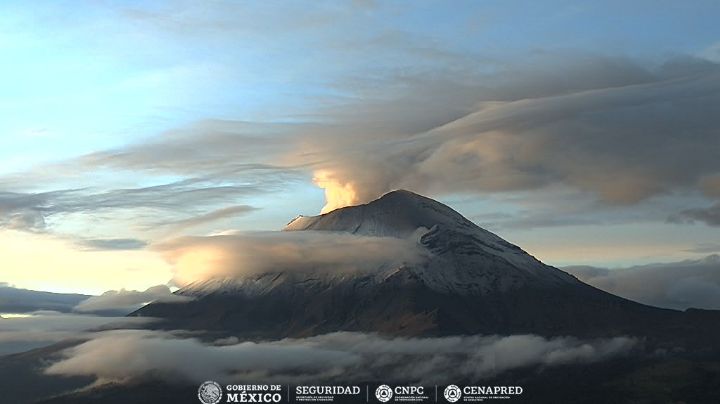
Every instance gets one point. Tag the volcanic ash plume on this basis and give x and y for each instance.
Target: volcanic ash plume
(337, 193)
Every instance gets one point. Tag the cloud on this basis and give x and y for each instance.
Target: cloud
(121, 302)
(187, 358)
(620, 143)
(705, 248)
(439, 360)
(678, 285)
(174, 201)
(42, 328)
(597, 125)
(230, 150)
(712, 52)
(21, 211)
(238, 255)
(215, 215)
(124, 355)
(174, 195)
(112, 244)
(709, 215)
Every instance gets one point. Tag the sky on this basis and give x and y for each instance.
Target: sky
(585, 132)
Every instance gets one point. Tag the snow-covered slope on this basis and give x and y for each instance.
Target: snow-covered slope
(464, 257)
(460, 257)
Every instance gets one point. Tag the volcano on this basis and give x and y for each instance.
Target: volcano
(467, 281)
(470, 281)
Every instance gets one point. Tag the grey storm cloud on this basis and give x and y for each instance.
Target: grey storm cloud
(252, 253)
(678, 285)
(341, 356)
(122, 302)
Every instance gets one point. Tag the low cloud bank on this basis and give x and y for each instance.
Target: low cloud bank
(342, 356)
(677, 285)
(200, 258)
(42, 328)
(121, 302)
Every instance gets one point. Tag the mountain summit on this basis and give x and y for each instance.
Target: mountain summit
(468, 281)
(397, 214)
(464, 258)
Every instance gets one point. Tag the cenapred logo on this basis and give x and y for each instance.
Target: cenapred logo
(383, 393)
(452, 393)
(210, 393)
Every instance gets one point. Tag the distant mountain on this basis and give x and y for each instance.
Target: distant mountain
(692, 283)
(14, 300)
(471, 282)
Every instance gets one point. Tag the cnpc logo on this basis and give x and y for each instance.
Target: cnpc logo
(452, 393)
(385, 393)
